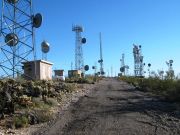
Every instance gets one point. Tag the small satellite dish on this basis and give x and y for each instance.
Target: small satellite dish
(37, 20)
(11, 39)
(86, 68)
(45, 47)
(83, 40)
(12, 1)
(102, 72)
(100, 61)
(93, 67)
(122, 69)
(171, 61)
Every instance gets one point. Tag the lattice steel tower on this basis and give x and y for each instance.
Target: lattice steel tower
(79, 61)
(138, 61)
(17, 34)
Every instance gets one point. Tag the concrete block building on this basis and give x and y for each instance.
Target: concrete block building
(74, 73)
(59, 72)
(37, 70)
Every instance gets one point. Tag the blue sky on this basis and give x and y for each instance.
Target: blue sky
(154, 24)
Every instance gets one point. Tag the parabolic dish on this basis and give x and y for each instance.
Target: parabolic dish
(100, 61)
(122, 69)
(93, 67)
(12, 1)
(170, 61)
(37, 20)
(102, 72)
(11, 39)
(86, 68)
(83, 40)
(45, 47)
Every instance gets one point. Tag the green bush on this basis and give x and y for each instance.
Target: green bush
(20, 121)
(168, 88)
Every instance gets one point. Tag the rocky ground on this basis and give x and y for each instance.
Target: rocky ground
(110, 107)
(116, 108)
(83, 89)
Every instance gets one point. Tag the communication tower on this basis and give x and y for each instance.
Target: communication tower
(138, 61)
(18, 24)
(101, 58)
(124, 68)
(79, 61)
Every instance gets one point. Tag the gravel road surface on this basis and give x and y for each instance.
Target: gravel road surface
(116, 108)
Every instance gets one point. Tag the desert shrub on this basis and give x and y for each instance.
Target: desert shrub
(51, 102)
(20, 121)
(86, 80)
(43, 115)
(168, 88)
(36, 91)
(69, 88)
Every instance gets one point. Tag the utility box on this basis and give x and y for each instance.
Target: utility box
(37, 70)
(59, 72)
(75, 73)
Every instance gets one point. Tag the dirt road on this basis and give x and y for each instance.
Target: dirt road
(115, 108)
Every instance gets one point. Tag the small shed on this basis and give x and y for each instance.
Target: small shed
(37, 70)
(59, 72)
(74, 73)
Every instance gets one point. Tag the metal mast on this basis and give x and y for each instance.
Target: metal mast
(17, 30)
(79, 61)
(101, 57)
(122, 69)
(138, 61)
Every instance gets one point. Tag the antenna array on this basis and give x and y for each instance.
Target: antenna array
(138, 61)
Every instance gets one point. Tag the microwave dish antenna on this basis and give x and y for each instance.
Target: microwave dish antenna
(37, 20)
(45, 48)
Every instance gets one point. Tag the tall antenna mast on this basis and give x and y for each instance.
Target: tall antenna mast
(122, 69)
(101, 57)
